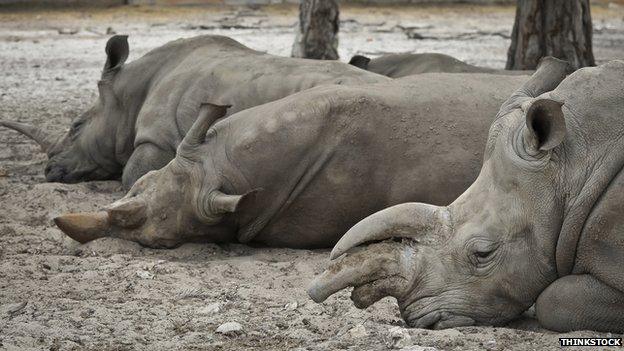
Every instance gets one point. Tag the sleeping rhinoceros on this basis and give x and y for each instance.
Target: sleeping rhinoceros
(146, 106)
(543, 223)
(405, 64)
(299, 171)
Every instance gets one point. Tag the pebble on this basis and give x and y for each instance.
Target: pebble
(359, 331)
(144, 274)
(490, 344)
(212, 308)
(291, 306)
(13, 309)
(229, 328)
(67, 31)
(398, 338)
(419, 348)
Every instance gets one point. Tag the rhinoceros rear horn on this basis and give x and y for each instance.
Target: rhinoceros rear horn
(128, 213)
(208, 114)
(379, 270)
(45, 140)
(550, 72)
(84, 227)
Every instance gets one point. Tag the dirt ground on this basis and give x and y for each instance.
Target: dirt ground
(113, 295)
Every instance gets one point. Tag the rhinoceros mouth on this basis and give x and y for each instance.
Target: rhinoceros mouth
(438, 319)
(57, 173)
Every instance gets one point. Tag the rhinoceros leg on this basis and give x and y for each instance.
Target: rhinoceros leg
(146, 157)
(581, 302)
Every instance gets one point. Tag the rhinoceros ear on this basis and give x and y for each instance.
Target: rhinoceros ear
(117, 51)
(545, 124)
(221, 203)
(212, 205)
(360, 61)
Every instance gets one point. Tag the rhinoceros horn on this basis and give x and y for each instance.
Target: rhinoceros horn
(208, 114)
(115, 220)
(379, 270)
(84, 227)
(408, 220)
(45, 140)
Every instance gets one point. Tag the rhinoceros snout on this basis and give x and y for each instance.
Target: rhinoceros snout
(55, 173)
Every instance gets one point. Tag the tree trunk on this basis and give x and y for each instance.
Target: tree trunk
(317, 32)
(559, 28)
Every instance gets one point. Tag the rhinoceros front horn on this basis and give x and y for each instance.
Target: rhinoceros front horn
(84, 227)
(45, 140)
(409, 220)
(381, 269)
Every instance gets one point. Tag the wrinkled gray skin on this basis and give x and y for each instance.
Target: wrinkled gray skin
(298, 172)
(401, 65)
(145, 107)
(541, 224)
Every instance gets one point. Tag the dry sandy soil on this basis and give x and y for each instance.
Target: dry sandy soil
(113, 295)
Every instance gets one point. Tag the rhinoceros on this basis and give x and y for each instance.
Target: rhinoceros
(543, 223)
(405, 64)
(146, 106)
(299, 171)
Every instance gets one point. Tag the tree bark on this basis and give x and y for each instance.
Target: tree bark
(317, 32)
(559, 28)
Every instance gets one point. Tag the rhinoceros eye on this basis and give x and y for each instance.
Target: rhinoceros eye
(75, 128)
(483, 253)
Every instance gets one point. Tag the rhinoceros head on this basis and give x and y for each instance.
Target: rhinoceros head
(181, 202)
(485, 258)
(92, 146)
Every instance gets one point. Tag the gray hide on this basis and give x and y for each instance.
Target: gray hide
(299, 171)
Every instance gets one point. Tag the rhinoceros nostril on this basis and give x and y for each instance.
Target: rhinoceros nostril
(54, 173)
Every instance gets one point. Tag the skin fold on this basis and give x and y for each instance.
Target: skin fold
(298, 172)
(541, 223)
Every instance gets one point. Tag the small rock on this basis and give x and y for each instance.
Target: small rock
(490, 344)
(398, 338)
(359, 331)
(15, 308)
(291, 306)
(449, 334)
(229, 328)
(67, 31)
(110, 31)
(3, 173)
(419, 348)
(144, 274)
(213, 308)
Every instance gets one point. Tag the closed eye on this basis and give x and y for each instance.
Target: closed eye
(483, 254)
(75, 128)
